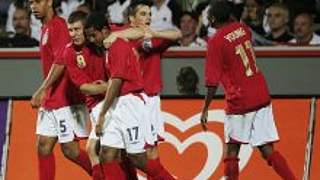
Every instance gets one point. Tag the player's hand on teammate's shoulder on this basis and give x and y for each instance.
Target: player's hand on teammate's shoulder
(37, 98)
(204, 119)
(107, 42)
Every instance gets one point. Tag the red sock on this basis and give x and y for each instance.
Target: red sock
(129, 169)
(279, 164)
(113, 171)
(47, 167)
(84, 161)
(231, 168)
(156, 171)
(97, 172)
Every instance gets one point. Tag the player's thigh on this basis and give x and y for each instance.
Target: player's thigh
(109, 154)
(46, 123)
(70, 149)
(65, 124)
(238, 128)
(81, 119)
(45, 144)
(264, 127)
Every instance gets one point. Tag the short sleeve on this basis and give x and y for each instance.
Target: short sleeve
(213, 63)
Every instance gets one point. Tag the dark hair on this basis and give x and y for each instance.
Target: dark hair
(220, 11)
(193, 15)
(132, 9)
(97, 21)
(77, 16)
(187, 81)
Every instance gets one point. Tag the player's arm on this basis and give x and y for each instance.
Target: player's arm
(170, 34)
(211, 91)
(55, 72)
(94, 88)
(114, 86)
(130, 33)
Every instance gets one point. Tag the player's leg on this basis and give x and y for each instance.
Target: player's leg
(93, 149)
(128, 166)
(109, 157)
(68, 120)
(263, 134)
(46, 159)
(277, 161)
(73, 152)
(135, 138)
(46, 140)
(237, 130)
(231, 161)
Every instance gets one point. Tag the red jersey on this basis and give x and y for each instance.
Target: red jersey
(122, 61)
(54, 38)
(151, 64)
(231, 61)
(84, 66)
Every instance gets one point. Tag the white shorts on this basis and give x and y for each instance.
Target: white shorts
(155, 122)
(124, 124)
(66, 123)
(256, 128)
(94, 118)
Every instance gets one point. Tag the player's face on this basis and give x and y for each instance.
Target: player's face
(40, 8)
(187, 25)
(76, 33)
(276, 18)
(95, 36)
(142, 16)
(302, 26)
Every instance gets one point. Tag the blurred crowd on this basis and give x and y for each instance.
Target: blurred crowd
(273, 22)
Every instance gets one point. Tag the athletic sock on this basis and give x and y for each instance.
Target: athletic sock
(47, 167)
(231, 168)
(279, 164)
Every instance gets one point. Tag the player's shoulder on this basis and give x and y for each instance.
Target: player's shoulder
(120, 43)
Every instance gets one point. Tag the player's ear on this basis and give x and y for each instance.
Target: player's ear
(50, 3)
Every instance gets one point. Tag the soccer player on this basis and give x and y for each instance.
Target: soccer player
(62, 117)
(121, 120)
(155, 43)
(85, 67)
(231, 62)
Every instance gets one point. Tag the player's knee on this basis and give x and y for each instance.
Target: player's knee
(108, 154)
(70, 151)
(139, 160)
(45, 147)
(152, 153)
(266, 150)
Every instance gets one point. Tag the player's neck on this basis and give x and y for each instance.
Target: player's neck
(50, 14)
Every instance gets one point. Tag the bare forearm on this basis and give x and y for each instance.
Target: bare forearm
(93, 89)
(131, 33)
(114, 86)
(211, 91)
(172, 34)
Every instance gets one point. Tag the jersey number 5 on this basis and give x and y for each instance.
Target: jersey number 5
(242, 51)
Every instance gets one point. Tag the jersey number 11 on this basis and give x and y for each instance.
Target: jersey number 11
(242, 51)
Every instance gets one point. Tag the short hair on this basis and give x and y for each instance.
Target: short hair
(187, 80)
(77, 16)
(191, 14)
(221, 11)
(308, 15)
(132, 9)
(281, 6)
(26, 10)
(97, 21)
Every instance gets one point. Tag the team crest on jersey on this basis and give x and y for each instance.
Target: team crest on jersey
(81, 63)
(45, 38)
